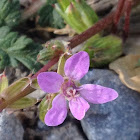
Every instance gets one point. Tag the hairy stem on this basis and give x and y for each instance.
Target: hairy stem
(47, 66)
(119, 11)
(99, 26)
(127, 17)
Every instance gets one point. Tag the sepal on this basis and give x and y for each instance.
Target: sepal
(23, 103)
(3, 82)
(45, 105)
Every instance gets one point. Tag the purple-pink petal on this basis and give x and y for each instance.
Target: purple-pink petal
(77, 65)
(78, 107)
(50, 82)
(97, 94)
(57, 114)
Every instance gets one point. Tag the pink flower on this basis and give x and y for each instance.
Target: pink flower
(78, 96)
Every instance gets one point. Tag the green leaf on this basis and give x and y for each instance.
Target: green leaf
(45, 105)
(15, 88)
(51, 2)
(15, 48)
(77, 14)
(103, 50)
(4, 61)
(24, 102)
(58, 22)
(75, 18)
(9, 13)
(3, 82)
(64, 4)
(20, 43)
(89, 17)
(49, 16)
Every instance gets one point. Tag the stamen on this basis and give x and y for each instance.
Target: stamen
(71, 91)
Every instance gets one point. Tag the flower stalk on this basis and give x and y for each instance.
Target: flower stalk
(99, 26)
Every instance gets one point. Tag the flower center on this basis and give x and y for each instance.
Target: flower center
(69, 90)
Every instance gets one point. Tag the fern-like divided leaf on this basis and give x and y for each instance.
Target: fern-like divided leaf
(49, 16)
(15, 48)
(9, 13)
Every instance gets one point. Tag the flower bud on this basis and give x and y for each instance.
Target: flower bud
(51, 49)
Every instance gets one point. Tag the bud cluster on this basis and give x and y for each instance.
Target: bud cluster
(50, 50)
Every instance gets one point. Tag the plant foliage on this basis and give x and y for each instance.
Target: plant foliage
(15, 48)
(49, 16)
(9, 13)
(80, 16)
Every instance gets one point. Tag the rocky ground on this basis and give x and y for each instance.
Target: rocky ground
(117, 120)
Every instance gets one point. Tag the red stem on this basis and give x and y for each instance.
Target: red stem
(128, 7)
(119, 11)
(47, 66)
(99, 26)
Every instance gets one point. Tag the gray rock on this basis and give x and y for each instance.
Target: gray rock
(132, 46)
(69, 130)
(10, 127)
(117, 120)
(38, 94)
(42, 127)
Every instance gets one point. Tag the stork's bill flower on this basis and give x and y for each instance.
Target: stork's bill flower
(70, 93)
